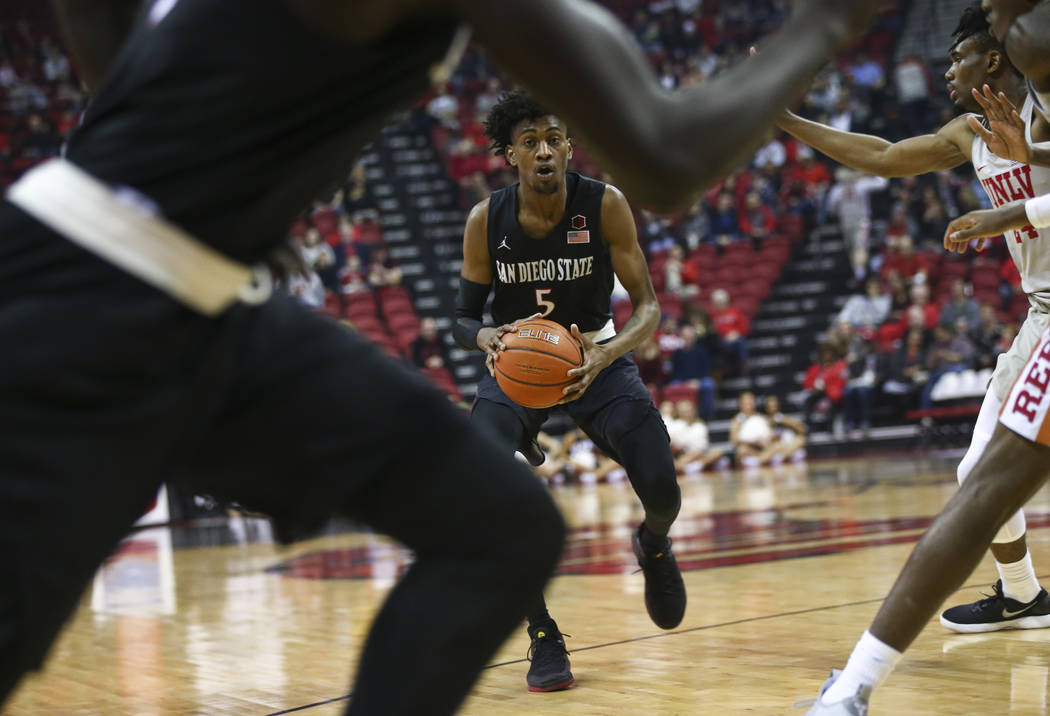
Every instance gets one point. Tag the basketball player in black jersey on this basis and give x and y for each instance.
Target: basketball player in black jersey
(550, 245)
(140, 345)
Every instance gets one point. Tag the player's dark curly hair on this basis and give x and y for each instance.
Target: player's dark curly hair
(974, 23)
(513, 107)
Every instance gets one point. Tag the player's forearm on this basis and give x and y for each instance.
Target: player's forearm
(1039, 156)
(94, 31)
(859, 151)
(640, 326)
(662, 147)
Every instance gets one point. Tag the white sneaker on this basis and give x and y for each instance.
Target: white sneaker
(856, 705)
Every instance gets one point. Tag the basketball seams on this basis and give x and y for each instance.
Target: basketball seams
(533, 385)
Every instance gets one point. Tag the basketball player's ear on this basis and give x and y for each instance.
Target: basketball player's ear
(995, 61)
(511, 155)
(568, 141)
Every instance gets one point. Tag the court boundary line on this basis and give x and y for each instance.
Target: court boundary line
(659, 635)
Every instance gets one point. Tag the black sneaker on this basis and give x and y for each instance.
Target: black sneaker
(550, 669)
(664, 588)
(998, 611)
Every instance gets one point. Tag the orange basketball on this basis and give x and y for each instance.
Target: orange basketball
(533, 370)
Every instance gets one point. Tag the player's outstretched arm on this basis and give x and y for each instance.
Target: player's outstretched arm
(946, 149)
(986, 223)
(95, 31)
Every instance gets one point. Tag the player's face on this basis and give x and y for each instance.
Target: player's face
(541, 153)
(1002, 13)
(969, 69)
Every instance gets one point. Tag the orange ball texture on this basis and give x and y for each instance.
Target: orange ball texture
(534, 369)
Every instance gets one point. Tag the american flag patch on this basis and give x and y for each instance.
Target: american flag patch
(579, 237)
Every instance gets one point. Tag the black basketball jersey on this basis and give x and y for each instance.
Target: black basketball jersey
(567, 275)
(232, 115)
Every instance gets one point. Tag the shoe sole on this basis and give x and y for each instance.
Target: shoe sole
(557, 687)
(1040, 622)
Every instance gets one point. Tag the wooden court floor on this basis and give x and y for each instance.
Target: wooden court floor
(786, 567)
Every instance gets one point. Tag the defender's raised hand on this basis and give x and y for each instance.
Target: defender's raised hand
(1005, 135)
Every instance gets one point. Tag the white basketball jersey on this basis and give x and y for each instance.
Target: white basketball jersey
(1005, 182)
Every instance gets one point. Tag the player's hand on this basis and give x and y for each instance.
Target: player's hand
(844, 20)
(981, 225)
(490, 341)
(596, 358)
(1006, 135)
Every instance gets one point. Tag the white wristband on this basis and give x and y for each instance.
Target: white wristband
(1038, 210)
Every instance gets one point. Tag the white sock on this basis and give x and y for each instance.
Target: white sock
(869, 664)
(1019, 580)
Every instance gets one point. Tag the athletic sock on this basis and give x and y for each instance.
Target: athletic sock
(869, 664)
(651, 542)
(1019, 581)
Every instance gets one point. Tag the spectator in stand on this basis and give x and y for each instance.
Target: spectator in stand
(913, 92)
(652, 368)
(960, 306)
(986, 335)
(866, 72)
(906, 371)
(900, 224)
(306, 288)
(320, 257)
(862, 363)
(351, 277)
(357, 194)
(934, 219)
(772, 154)
(383, 270)
(950, 352)
(680, 276)
(732, 327)
(825, 383)
(756, 220)
(668, 337)
(868, 310)
(850, 199)
(692, 365)
(920, 301)
(813, 174)
(902, 258)
(724, 221)
(428, 350)
(695, 227)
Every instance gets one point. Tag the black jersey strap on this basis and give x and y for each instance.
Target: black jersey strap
(470, 305)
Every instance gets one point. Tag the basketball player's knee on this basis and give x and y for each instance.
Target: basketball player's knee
(499, 421)
(1012, 530)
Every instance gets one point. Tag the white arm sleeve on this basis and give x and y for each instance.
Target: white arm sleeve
(1038, 210)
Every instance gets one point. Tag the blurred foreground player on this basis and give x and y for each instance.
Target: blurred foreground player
(551, 244)
(148, 347)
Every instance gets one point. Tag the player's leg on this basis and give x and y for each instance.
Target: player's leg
(95, 398)
(321, 423)
(618, 414)
(1006, 476)
(1018, 582)
(515, 428)
(1015, 463)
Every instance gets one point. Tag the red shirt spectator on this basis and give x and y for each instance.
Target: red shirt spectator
(730, 323)
(830, 378)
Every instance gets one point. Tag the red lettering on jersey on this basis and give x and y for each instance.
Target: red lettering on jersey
(999, 194)
(1023, 174)
(1026, 405)
(1038, 378)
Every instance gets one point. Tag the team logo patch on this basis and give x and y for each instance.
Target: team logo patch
(579, 222)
